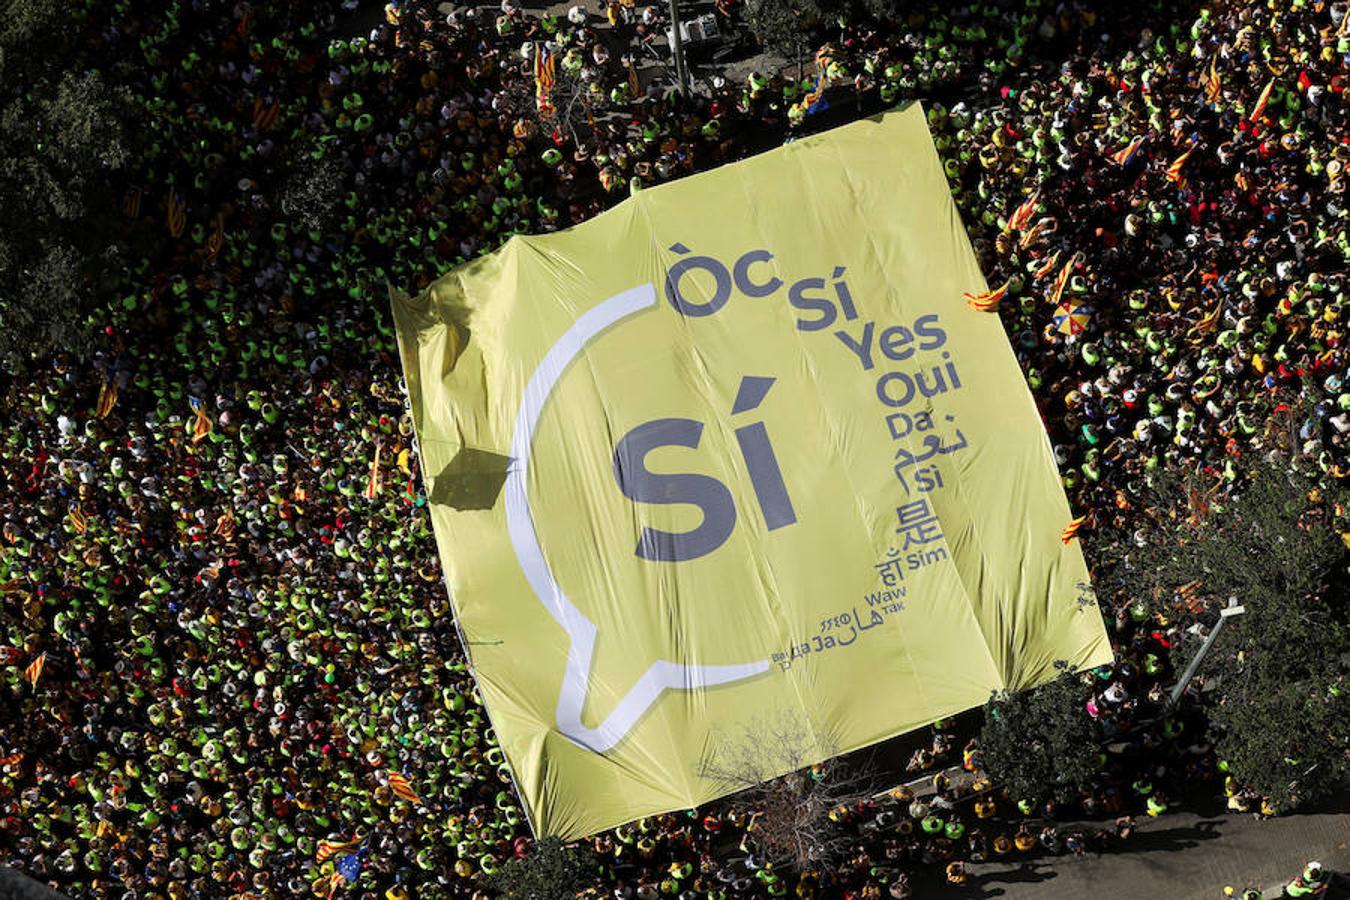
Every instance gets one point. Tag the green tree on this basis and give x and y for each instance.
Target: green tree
(1279, 697)
(553, 871)
(1041, 741)
(782, 26)
(1281, 685)
(790, 27)
(310, 195)
(65, 133)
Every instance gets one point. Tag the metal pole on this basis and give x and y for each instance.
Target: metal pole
(681, 73)
(1224, 615)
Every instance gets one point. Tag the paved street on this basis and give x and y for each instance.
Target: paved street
(1219, 849)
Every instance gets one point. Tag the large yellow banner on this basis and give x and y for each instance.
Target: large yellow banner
(737, 451)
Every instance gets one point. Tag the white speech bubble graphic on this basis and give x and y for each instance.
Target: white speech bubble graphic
(661, 674)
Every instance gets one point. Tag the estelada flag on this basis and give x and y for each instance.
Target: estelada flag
(1062, 279)
(400, 785)
(1071, 530)
(77, 517)
(1023, 215)
(987, 301)
(545, 68)
(1047, 267)
(1126, 155)
(329, 848)
(1174, 170)
(813, 100)
(1213, 84)
(1261, 101)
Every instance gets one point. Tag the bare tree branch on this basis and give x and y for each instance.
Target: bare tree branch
(791, 823)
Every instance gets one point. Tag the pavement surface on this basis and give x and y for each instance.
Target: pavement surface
(1186, 855)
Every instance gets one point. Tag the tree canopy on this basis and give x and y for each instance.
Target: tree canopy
(66, 134)
(1041, 740)
(552, 871)
(1279, 699)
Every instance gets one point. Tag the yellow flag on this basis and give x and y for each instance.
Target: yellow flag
(731, 457)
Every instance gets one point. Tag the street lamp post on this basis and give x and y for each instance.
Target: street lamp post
(1228, 612)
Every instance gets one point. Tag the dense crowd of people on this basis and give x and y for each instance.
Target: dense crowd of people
(227, 657)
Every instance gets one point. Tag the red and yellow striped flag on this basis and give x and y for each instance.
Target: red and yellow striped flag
(216, 241)
(1071, 530)
(1174, 170)
(1061, 280)
(987, 301)
(224, 526)
(1189, 595)
(107, 399)
(1213, 84)
(264, 116)
(1047, 267)
(1023, 213)
(34, 670)
(374, 484)
(202, 426)
(403, 788)
(545, 67)
(1126, 155)
(1033, 234)
(77, 517)
(1261, 101)
(328, 848)
(1206, 324)
(12, 760)
(335, 882)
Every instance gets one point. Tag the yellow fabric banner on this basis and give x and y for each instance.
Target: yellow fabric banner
(734, 452)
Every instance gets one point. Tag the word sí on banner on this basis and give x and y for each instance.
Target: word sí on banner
(929, 369)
